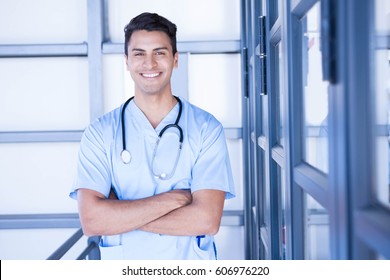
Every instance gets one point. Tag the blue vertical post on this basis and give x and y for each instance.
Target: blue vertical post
(95, 252)
(95, 42)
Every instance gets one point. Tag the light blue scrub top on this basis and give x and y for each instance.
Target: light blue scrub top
(203, 164)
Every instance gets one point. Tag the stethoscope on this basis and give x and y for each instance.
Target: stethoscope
(125, 154)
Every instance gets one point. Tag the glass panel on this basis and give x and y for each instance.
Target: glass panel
(228, 250)
(197, 20)
(42, 21)
(118, 85)
(280, 95)
(382, 107)
(39, 172)
(262, 195)
(266, 199)
(316, 230)
(44, 93)
(264, 113)
(37, 244)
(235, 155)
(315, 94)
(214, 81)
(257, 115)
(282, 212)
(382, 17)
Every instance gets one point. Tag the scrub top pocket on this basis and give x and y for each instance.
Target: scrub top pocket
(203, 248)
(111, 249)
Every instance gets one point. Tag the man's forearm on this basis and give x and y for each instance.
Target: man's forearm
(202, 216)
(102, 216)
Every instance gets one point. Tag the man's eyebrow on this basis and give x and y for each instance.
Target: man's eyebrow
(160, 48)
(142, 50)
(137, 50)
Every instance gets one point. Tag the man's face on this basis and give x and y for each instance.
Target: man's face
(150, 61)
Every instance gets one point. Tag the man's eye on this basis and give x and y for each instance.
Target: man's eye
(138, 54)
(160, 53)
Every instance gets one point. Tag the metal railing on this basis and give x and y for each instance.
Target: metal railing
(91, 252)
(54, 221)
(71, 220)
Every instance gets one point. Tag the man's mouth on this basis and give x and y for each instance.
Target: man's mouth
(150, 75)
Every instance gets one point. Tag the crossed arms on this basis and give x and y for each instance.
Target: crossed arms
(177, 212)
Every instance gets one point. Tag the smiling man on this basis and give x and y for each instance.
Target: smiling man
(154, 173)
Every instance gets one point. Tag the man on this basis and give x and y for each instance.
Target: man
(153, 174)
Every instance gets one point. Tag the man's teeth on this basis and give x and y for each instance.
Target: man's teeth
(150, 75)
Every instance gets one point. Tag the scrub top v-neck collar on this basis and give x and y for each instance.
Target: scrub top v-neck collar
(143, 122)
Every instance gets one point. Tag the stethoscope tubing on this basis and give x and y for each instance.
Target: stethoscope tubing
(125, 154)
(123, 123)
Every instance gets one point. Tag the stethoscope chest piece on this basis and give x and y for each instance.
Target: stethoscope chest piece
(126, 156)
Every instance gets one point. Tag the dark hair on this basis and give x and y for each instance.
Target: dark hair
(151, 22)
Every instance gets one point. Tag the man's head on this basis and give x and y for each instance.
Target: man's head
(151, 22)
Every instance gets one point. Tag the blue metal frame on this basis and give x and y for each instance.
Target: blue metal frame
(273, 29)
(34, 221)
(71, 220)
(43, 50)
(369, 221)
(40, 136)
(95, 59)
(245, 27)
(196, 47)
(293, 150)
(303, 178)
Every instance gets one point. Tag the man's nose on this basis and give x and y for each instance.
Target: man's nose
(149, 61)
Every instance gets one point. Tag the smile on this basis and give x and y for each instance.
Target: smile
(151, 75)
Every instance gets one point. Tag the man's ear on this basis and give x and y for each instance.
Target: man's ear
(176, 60)
(126, 58)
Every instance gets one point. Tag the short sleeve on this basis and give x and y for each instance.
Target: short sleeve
(93, 170)
(212, 168)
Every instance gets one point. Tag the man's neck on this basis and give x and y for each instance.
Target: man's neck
(155, 107)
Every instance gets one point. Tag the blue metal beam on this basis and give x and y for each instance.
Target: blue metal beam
(40, 136)
(95, 63)
(35, 221)
(72, 136)
(199, 47)
(71, 220)
(43, 50)
(314, 182)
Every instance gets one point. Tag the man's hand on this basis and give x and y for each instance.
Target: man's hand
(184, 197)
(201, 216)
